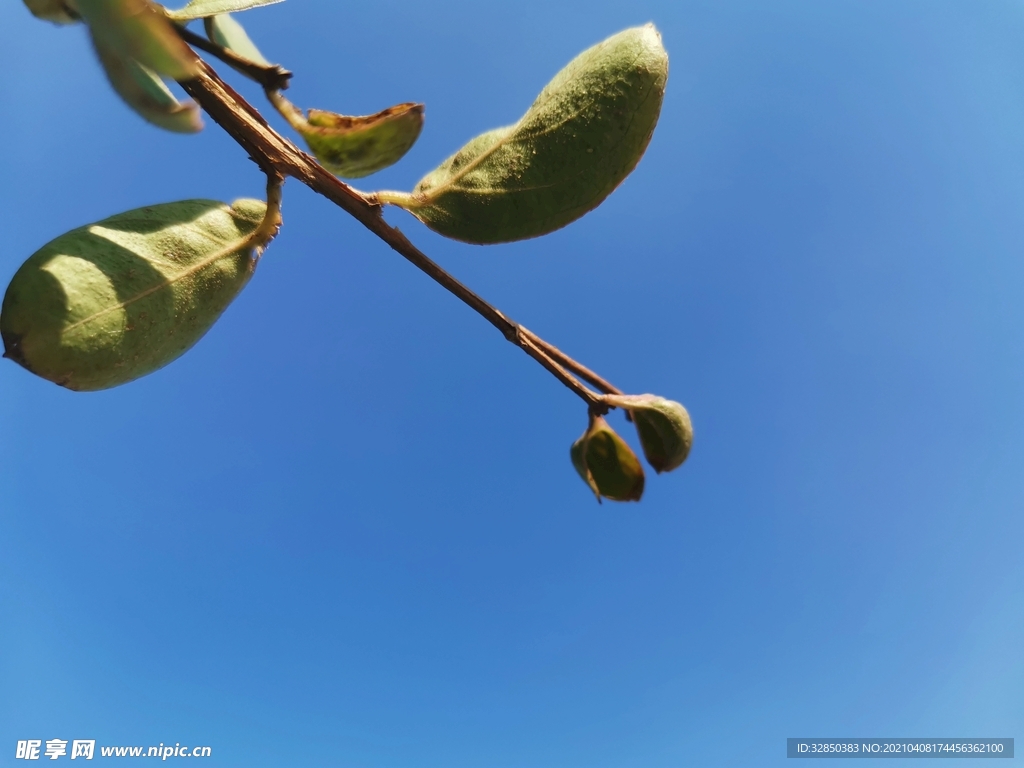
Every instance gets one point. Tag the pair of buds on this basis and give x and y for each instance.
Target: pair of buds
(606, 462)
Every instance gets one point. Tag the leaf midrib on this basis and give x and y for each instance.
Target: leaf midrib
(198, 266)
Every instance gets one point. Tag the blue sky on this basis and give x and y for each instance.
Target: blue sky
(344, 531)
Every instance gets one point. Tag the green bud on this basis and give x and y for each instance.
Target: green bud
(228, 33)
(664, 427)
(56, 11)
(583, 135)
(199, 9)
(140, 30)
(108, 303)
(607, 464)
(142, 89)
(353, 147)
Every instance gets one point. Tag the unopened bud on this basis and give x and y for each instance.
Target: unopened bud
(666, 433)
(607, 464)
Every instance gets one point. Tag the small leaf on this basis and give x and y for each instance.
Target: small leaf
(56, 11)
(353, 147)
(139, 30)
(607, 464)
(664, 427)
(228, 33)
(108, 303)
(198, 9)
(143, 90)
(583, 135)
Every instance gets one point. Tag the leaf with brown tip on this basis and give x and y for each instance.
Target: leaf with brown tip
(353, 147)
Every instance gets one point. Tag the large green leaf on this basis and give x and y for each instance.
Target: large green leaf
(143, 90)
(199, 9)
(139, 30)
(108, 303)
(583, 135)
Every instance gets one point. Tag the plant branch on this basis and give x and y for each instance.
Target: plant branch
(277, 156)
(580, 370)
(272, 77)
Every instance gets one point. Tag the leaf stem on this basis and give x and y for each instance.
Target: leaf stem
(271, 224)
(279, 158)
(287, 110)
(401, 199)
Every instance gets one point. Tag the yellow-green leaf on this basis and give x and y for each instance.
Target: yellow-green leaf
(113, 301)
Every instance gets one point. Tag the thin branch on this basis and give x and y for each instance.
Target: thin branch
(580, 370)
(276, 155)
(272, 77)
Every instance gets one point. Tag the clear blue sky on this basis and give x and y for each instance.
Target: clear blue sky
(343, 531)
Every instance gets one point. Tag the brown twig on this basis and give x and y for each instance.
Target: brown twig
(272, 77)
(580, 370)
(278, 156)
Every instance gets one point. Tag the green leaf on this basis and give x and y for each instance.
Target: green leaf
(353, 147)
(664, 427)
(228, 33)
(198, 9)
(583, 135)
(607, 464)
(113, 301)
(143, 90)
(52, 10)
(139, 30)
